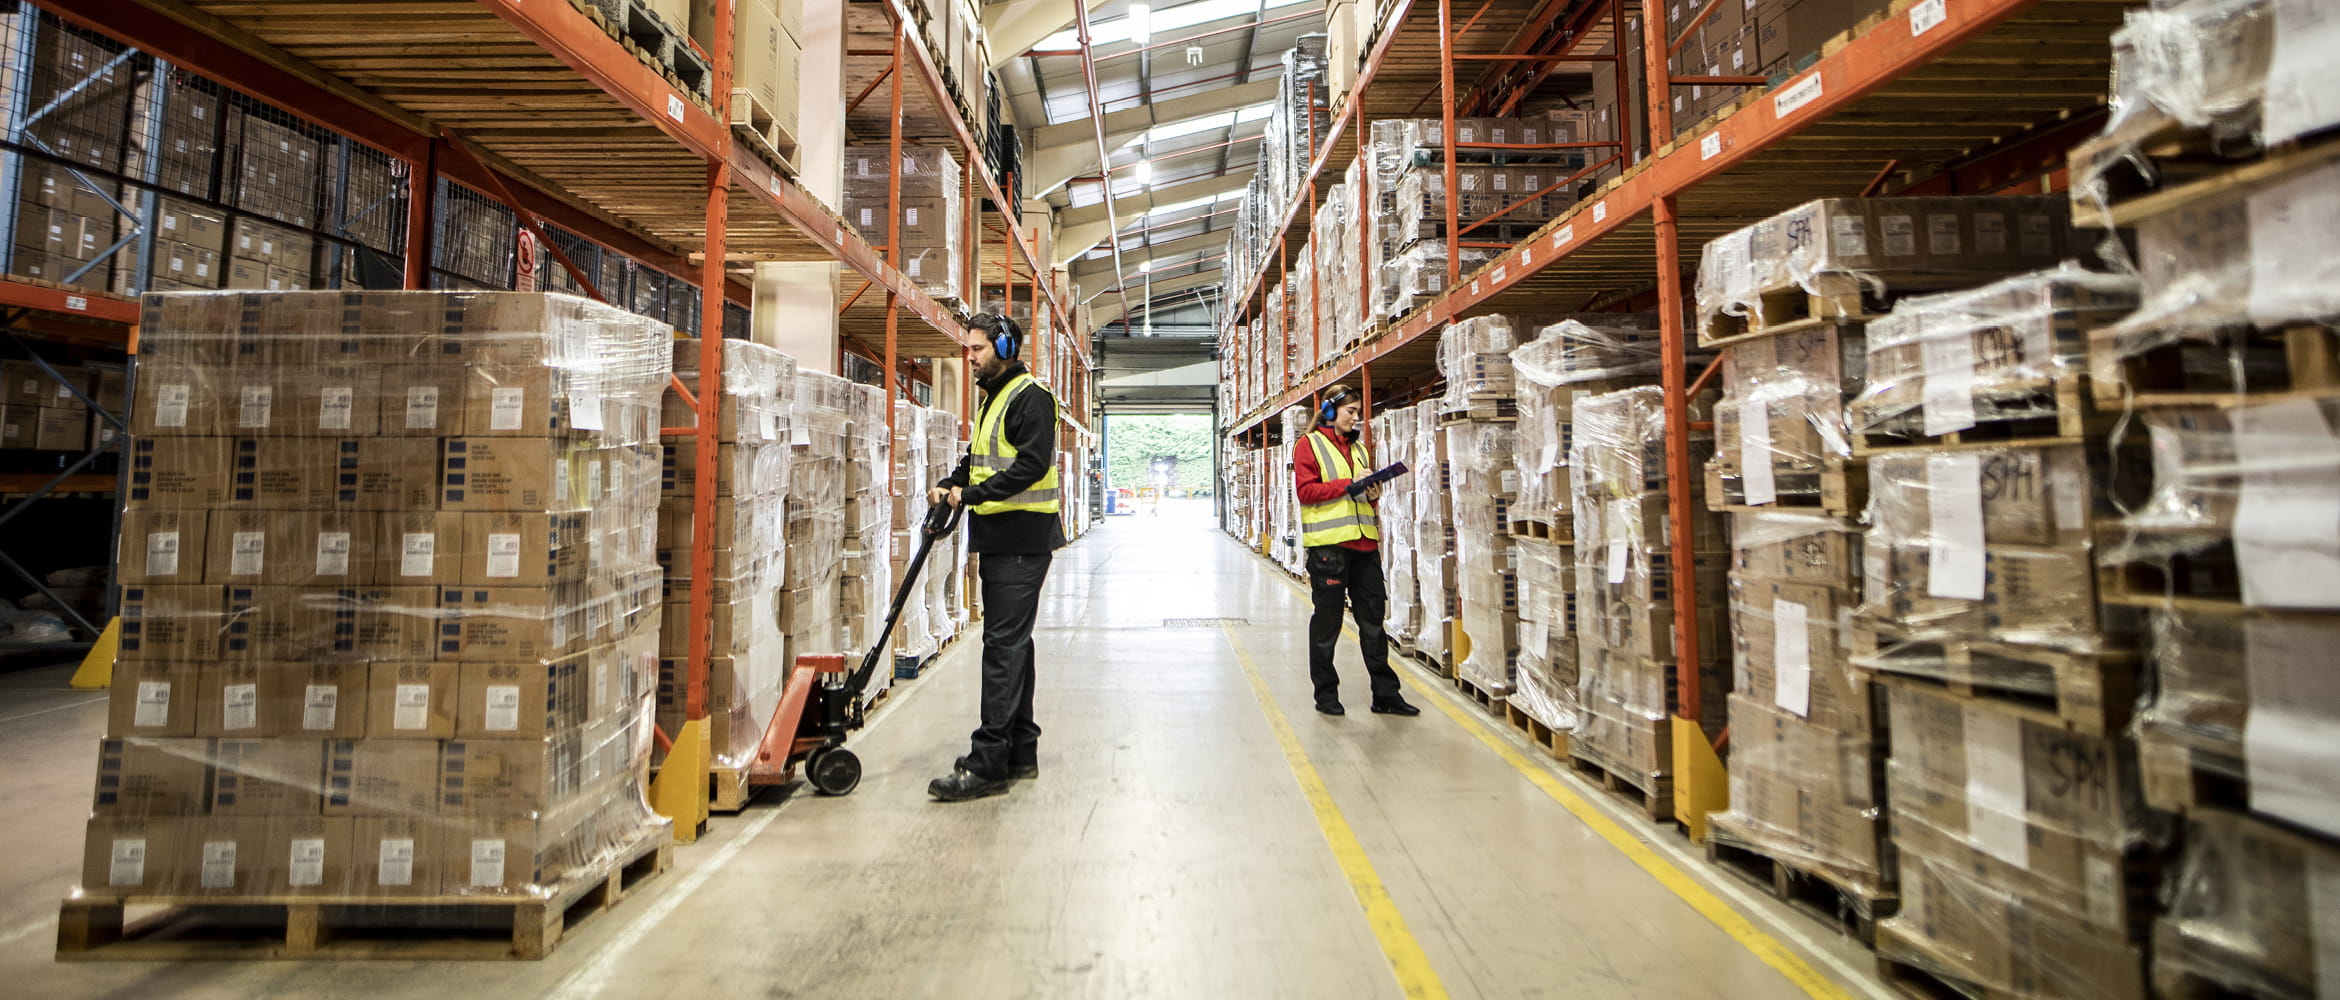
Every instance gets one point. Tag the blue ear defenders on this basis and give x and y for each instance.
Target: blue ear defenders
(1006, 340)
(1331, 407)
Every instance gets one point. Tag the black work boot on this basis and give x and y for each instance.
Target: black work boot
(1394, 705)
(1024, 772)
(1330, 706)
(963, 784)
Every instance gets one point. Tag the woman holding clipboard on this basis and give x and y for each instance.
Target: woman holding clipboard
(1342, 535)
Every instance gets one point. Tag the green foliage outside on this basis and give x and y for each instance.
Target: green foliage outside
(1133, 441)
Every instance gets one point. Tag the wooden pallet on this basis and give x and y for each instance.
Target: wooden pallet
(728, 789)
(1656, 803)
(2203, 576)
(2091, 693)
(1554, 741)
(192, 928)
(1828, 897)
(658, 44)
(1542, 532)
(762, 130)
(2198, 367)
(2154, 165)
(2071, 418)
(1788, 309)
(1489, 701)
(1501, 410)
(1910, 979)
(1840, 487)
(2178, 778)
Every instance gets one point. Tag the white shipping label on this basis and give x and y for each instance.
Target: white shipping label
(1600, 211)
(1942, 234)
(1849, 235)
(1995, 803)
(768, 426)
(1990, 234)
(585, 410)
(394, 862)
(2104, 890)
(162, 553)
(1508, 481)
(1900, 233)
(504, 406)
(422, 407)
(333, 407)
(417, 554)
(171, 403)
(255, 406)
(2295, 222)
(2286, 522)
(1948, 398)
(2323, 899)
(411, 707)
(219, 864)
(154, 704)
(126, 865)
(307, 860)
(333, 553)
(1926, 17)
(1711, 146)
(487, 862)
(1954, 560)
(1791, 656)
(2300, 97)
(1755, 452)
(503, 554)
(239, 707)
(593, 479)
(2288, 752)
(1618, 560)
(320, 706)
(503, 707)
(1796, 96)
(249, 553)
(910, 216)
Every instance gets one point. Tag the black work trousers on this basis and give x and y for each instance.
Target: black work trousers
(1008, 738)
(1337, 575)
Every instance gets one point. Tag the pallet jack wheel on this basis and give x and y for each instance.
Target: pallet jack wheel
(834, 771)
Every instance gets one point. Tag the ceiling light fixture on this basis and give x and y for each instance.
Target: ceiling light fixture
(1140, 23)
(1145, 173)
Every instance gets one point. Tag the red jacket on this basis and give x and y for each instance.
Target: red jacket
(1314, 488)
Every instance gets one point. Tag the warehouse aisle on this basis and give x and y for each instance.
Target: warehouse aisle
(1167, 850)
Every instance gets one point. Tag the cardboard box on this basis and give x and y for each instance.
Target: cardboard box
(329, 623)
(179, 473)
(511, 474)
(514, 400)
(411, 701)
(381, 778)
(249, 276)
(1806, 792)
(2038, 495)
(769, 59)
(2030, 594)
(16, 426)
(508, 623)
(277, 473)
(56, 429)
(152, 698)
(489, 857)
(416, 547)
(318, 700)
(224, 856)
(386, 473)
(171, 621)
(423, 399)
(133, 856)
(501, 778)
(502, 699)
(162, 546)
(267, 777)
(191, 225)
(311, 855)
(239, 700)
(138, 776)
(395, 856)
(2004, 943)
(1810, 677)
(317, 548)
(522, 549)
(175, 401)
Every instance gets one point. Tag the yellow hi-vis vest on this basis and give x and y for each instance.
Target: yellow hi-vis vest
(1343, 518)
(991, 453)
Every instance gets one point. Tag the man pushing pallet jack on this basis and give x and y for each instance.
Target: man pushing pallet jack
(1008, 483)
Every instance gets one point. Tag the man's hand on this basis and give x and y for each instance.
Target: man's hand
(956, 499)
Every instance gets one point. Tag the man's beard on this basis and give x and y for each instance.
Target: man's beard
(990, 368)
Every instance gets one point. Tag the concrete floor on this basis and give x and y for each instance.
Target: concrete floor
(1168, 850)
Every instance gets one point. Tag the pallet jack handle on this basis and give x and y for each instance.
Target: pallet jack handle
(941, 520)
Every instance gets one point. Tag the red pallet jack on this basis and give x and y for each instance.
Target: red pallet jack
(822, 703)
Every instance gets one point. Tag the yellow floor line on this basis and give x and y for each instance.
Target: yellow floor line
(1763, 946)
(1406, 959)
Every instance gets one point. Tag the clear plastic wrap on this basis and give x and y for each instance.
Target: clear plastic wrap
(390, 616)
(1284, 500)
(1780, 433)
(1474, 357)
(2238, 712)
(1420, 273)
(931, 221)
(1806, 795)
(2006, 353)
(1568, 360)
(1545, 683)
(1823, 258)
(1487, 586)
(2249, 912)
(2017, 839)
(1393, 441)
(2200, 66)
(1983, 546)
(1434, 534)
(2239, 508)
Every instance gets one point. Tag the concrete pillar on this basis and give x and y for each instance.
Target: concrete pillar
(796, 311)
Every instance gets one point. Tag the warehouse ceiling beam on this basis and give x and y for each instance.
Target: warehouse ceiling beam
(1052, 166)
(1230, 182)
(1097, 123)
(1012, 28)
(1099, 271)
(1109, 312)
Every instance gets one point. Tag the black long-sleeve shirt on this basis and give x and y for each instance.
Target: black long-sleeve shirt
(1030, 426)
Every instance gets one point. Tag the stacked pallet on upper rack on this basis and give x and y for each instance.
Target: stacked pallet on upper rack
(2222, 162)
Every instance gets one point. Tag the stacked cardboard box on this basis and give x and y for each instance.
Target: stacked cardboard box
(914, 473)
(867, 583)
(37, 411)
(811, 605)
(1283, 501)
(390, 610)
(62, 226)
(767, 51)
(1627, 661)
(1474, 356)
(930, 222)
(1434, 538)
(1565, 362)
(747, 661)
(1393, 442)
(279, 168)
(946, 572)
